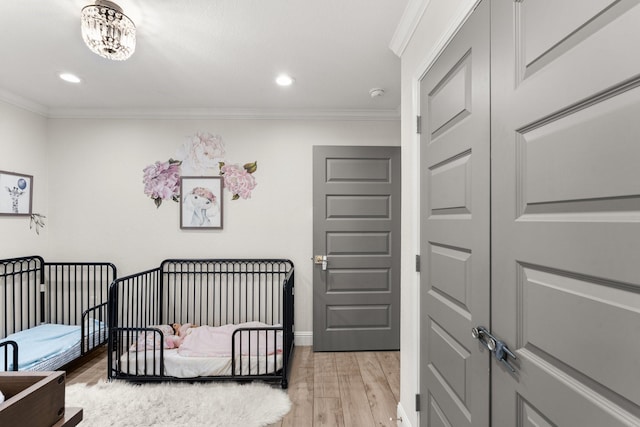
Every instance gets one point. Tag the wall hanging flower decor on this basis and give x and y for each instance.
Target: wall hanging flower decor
(202, 154)
(162, 181)
(238, 180)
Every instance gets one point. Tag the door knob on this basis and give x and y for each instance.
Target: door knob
(320, 259)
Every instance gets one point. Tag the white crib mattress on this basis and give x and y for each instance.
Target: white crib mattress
(175, 365)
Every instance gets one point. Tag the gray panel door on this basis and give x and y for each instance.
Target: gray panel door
(454, 241)
(565, 79)
(356, 225)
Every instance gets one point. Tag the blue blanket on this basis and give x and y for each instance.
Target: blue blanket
(41, 343)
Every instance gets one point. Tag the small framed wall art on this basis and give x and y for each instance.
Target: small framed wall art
(16, 193)
(201, 202)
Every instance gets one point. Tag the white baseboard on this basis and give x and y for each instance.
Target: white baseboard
(403, 419)
(303, 338)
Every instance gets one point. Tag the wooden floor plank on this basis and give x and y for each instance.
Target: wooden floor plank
(327, 412)
(382, 402)
(301, 395)
(325, 363)
(355, 404)
(325, 380)
(301, 389)
(390, 364)
(88, 369)
(304, 356)
(347, 364)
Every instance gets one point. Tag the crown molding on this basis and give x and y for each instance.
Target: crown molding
(407, 26)
(391, 114)
(23, 103)
(460, 17)
(227, 114)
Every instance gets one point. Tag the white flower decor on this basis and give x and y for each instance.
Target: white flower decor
(201, 153)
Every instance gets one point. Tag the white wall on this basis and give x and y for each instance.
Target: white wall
(98, 210)
(23, 137)
(439, 20)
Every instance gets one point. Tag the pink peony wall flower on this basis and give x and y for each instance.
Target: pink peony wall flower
(162, 181)
(201, 153)
(239, 180)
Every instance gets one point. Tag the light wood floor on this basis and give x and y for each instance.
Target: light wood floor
(326, 389)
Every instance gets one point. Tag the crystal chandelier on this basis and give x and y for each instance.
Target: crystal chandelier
(107, 31)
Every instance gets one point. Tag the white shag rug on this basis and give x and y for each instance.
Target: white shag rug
(124, 404)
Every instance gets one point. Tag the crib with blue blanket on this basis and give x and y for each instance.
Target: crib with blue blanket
(52, 312)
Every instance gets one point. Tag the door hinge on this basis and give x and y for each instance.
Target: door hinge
(417, 403)
(418, 263)
(418, 124)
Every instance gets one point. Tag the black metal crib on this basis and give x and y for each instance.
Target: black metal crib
(34, 292)
(211, 292)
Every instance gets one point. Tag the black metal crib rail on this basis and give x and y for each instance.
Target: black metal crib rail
(34, 292)
(9, 353)
(21, 295)
(213, 292)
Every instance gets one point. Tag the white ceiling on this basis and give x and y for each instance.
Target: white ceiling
(208, 56)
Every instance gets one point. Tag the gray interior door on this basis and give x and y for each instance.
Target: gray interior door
(454, 241)
(565, 79)
(356, 226)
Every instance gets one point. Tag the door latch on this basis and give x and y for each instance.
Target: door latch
(499, 349)
(320, 259)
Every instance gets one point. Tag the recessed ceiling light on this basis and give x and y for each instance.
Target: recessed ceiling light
(71, 78)
(284, 80)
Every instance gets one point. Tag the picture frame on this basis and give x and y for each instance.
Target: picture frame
(16, 193)
(201, 205)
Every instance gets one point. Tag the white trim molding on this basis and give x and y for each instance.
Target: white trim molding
(25, 104)
(389, 114)
(407, 26)
(402, 417)
(461, 16)
(303, 338)
(225, 113)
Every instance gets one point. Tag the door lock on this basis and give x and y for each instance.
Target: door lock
(320, 259)
(499, 349)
